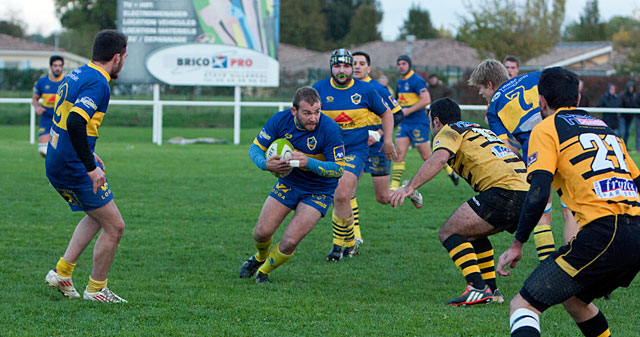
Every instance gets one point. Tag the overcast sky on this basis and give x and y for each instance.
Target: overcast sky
(39, 15)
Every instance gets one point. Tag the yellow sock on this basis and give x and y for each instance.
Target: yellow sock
(263, 249)
(341, 230)
(64, 268)
(275, 259)
(356, 219)
(543, 237)
(396, 175)
(95, 286)
(448, 169)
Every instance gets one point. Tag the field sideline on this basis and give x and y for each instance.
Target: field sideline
(190, 211)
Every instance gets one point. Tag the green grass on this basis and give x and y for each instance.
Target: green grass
(190, 211)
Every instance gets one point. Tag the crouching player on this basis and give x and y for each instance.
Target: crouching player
(307, 189)
(493, 170)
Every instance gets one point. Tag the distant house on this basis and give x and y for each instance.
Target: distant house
(21, 54)
(583, 58)
(447, 57)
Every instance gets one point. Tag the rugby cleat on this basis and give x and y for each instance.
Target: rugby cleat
(250, 267)
(497, 297)
(262, 278)
(63, 284)
(351, 251)
(454, 178)
(472, 296)
(335, 254)
(105, 295)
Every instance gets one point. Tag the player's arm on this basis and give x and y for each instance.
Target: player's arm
(273, 164)
(77, 129)
(256, 153)
(496, 125)
(387, 129)
(425, 99)
(35, 100)
(429, 169)
(322, 168)
(532, 209)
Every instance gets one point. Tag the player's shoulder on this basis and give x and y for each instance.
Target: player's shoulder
(328, 125)
(461, 127)
(323, 83)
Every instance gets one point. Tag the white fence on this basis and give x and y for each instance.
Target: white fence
(236, 104)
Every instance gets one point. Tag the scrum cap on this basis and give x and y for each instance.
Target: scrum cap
(341, 56)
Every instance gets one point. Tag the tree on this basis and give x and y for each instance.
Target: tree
(418, 24)
(306, 31)
(364, 25)
(83, 19)
(627, 42)
(12, 28)
(618, 24)
(589, 28)
(500, 28)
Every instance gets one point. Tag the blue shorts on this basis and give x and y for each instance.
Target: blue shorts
(82, 198)
(417, 133)
(46, 121)
(377, 164)
(354, 162)
(290, 196)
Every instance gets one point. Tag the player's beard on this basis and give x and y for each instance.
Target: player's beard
(116, 70)
(342, 81)
(56, 73)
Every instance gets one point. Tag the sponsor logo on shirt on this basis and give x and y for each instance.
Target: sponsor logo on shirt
(501, 151)
(615, 187)
(532, 158)
(88, 102)
(265, 135)
(355, 98)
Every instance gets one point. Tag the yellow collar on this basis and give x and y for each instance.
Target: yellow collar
(333, 84)
(98, 68)
(409, 74)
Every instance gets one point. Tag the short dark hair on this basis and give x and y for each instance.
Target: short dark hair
(54, 58)
(559, 87)
(366, 56)
(307, 94)
(512, 58)
(433, 75)
(446, 109)
(108, 42)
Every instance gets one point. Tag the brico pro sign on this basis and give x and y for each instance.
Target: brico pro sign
(210, 64)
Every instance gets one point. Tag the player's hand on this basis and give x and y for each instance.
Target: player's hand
(40, 110)
(405, 112)
(511, 257)
(302, 159)
(389, 150)
(371, 141)
(99, 161)
(98, 178)
(397, 196)
(276, 165)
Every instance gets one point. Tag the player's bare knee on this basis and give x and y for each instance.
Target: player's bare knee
(519, 302)
(288, 245)
(444, 233)
(383, 199)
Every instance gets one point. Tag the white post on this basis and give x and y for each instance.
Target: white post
(280, 107)
(154, 123)
(236, 116)
(159, 122)
(32, 125)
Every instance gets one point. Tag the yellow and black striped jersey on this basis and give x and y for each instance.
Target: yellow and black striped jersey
(592, 170)
(481, 158)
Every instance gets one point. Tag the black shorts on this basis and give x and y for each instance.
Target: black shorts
(499, 207)
(602, 257)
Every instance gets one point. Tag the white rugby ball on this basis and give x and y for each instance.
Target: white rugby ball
(281, 147)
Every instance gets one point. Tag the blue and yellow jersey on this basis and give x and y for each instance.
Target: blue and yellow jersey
(514, 109)
(409, 89)
(591, 167)
(84, 91)
(351, 107)
(375, 121)
(46, 87)
(324, 143)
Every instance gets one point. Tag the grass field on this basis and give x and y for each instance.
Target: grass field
(190, 211)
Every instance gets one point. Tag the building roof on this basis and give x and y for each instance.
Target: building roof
(10, 45)
(585, 58)
(430, 52)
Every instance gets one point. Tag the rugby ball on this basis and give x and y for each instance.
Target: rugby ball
(281, 147)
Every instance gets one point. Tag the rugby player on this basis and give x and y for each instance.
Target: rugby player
(376, 164)
(76, 171)
(349, 102)
(492, 170)
(306, 189)
(583, 159)
(45, 88)
(514, 111)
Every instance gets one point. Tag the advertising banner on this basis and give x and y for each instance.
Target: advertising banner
(201, 42)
